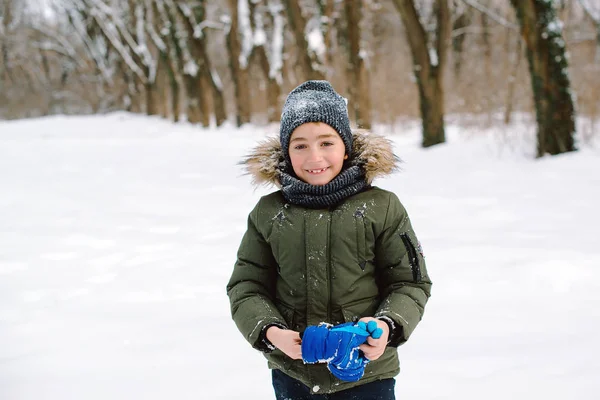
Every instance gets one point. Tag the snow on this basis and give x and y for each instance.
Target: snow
(245, 28)
(191, 68)
(119, 233)
(216, 78)
(276, 53)
(316, 42)
(433, 57)
(555, 26)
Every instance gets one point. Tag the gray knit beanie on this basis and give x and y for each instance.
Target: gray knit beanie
(314, 101)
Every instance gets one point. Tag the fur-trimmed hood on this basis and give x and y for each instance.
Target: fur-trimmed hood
(374, 153)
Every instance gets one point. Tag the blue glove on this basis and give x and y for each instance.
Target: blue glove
(317, 345)
(338, 347)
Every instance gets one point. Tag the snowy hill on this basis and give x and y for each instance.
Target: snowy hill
(118, 234)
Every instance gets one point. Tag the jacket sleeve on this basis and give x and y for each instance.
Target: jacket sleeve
(404, 283)
(251, 287)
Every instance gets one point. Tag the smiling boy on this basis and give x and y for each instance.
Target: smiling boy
(328, 247)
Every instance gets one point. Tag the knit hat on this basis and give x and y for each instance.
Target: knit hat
(314, 101)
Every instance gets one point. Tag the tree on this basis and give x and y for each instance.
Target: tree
(163, 35)
(592, 10)
(269, 65)
(238, 57)
(358, 85)
(555, 113)
(194, 18)
(429, 62)
(309, 52)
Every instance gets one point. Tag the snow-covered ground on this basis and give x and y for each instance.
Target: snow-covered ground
(118, 235)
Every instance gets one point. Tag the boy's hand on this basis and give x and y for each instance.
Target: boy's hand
(374, 348)
(287, 341)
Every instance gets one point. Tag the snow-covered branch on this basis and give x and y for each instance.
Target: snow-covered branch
(490, 13)
(110, 31)
(176, 12)
(593, 13)
(53, 47)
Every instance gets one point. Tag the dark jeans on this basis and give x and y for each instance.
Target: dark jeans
(287, 388)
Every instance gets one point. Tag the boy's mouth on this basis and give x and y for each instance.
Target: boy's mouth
(317, 171)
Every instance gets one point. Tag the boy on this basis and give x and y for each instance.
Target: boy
(327, 247)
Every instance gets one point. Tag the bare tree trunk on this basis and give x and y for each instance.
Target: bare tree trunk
(147, 82)
(191, 62)
(165, 41)
(512, 75)
(594, 16)
(7, 19)
(175, 99)
(327, 8)
(487, 56)
(152, 106)
(172, 103)
(358, 87)
(542, 33)
(211, 77)
(428, 71)
(162, 98)
(298, 25)
(136, 102)
(218, 98)
(259, 53)
(239, 72)
(459, 27)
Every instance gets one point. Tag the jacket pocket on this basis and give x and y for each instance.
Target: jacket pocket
(355, 310)
(413, 256)
(361, 238)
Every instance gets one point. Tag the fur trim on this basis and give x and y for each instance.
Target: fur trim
(373, 152)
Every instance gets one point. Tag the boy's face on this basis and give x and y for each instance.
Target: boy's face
(317, 153)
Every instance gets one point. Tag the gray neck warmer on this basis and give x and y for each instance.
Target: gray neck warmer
(348, 182)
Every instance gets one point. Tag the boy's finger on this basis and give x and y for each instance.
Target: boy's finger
(373, 342)
(366, 349)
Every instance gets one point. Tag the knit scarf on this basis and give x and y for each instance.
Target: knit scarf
(347, 183)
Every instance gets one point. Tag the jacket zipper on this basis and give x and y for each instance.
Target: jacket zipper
(329, 266)
(413, 258)
(329, 220)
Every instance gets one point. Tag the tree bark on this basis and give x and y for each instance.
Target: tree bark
(428, 71)
(487, 56)
(327, 8)
(164, 26)
(259, 54)
(460, 24)
(512, 75)
(298, 25)
(555, 113)
(218, 98)
(152, 106)
(162, 98)
(358, 87)
(239, 72)
(210, 75)
(197, 110)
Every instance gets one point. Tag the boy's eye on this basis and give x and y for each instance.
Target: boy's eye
(327, 144)
(299, 147)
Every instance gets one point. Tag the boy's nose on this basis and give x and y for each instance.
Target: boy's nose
(315, 155)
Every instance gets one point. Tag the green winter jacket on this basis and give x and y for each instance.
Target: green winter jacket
(298, 267)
